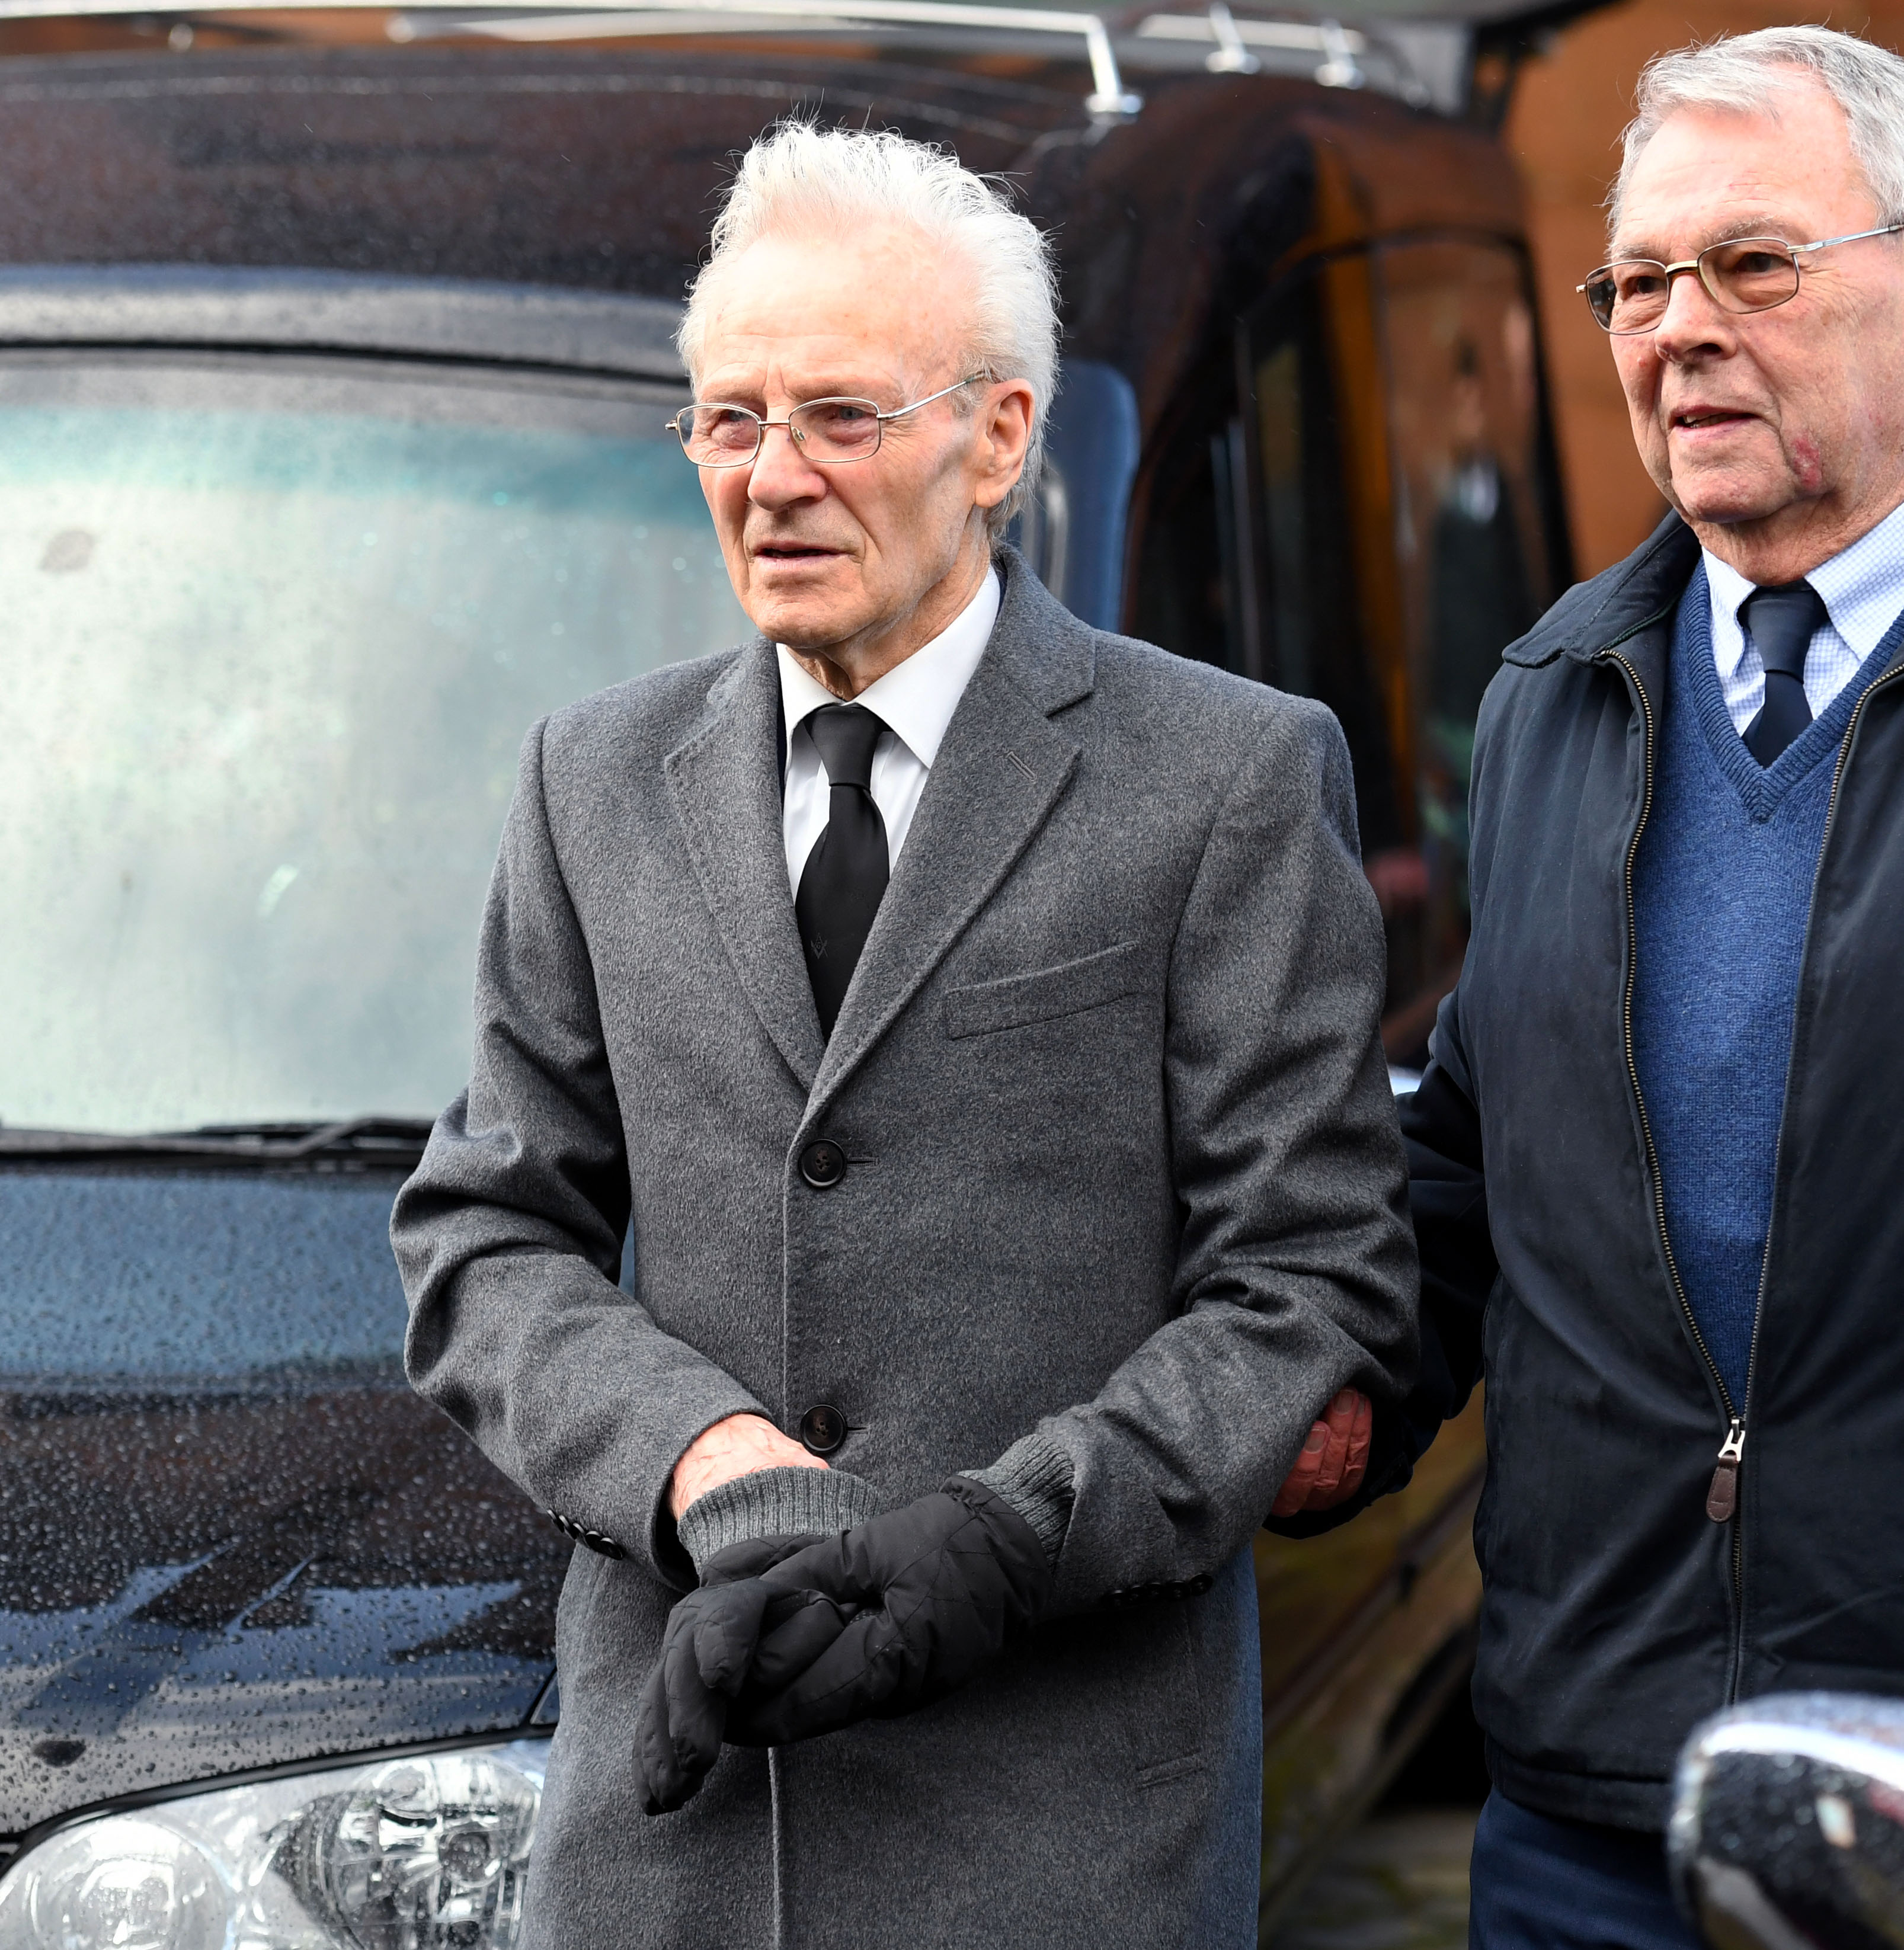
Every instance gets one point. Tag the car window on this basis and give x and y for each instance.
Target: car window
(1398, 462)
(1459, 343)
(1321, 531)
(1186, 594)
(275, 631)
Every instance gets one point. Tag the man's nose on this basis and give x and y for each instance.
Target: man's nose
(1694, 323)
(781, 472)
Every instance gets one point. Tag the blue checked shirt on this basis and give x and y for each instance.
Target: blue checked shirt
(1863, 592)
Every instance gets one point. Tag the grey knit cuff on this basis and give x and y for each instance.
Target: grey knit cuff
(1034, 1477)
(774, 1502)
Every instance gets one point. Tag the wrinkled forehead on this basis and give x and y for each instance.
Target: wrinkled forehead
(1709, 173)
(849, 308)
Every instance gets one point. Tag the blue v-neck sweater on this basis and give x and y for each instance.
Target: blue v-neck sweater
(1722, 894)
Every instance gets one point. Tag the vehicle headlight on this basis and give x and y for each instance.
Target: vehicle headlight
(389, 1854)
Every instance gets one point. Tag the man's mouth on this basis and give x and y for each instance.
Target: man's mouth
(793, 552)
(1693, 419)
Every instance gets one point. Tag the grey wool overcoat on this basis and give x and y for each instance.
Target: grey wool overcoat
(1122, 1167)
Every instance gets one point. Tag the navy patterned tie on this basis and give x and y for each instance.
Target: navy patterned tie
(844, 879)
(1782, 620)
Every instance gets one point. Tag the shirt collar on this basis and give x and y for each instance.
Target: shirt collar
(915, 699)
(1861, 587)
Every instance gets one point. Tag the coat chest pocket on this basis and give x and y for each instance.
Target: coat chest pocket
(1067, 989)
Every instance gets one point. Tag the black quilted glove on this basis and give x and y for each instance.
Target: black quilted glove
(889, 1616)
(712, 1646)
(787, 1639)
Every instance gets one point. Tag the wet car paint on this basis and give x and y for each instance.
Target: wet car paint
(202, 1573)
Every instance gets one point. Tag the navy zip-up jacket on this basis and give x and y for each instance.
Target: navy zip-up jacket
(1652, 1548)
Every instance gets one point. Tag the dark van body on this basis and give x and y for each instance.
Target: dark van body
(333, 386)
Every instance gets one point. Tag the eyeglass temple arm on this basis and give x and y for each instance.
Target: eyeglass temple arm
(913, 406)
(1816, 244)
(1852, 237)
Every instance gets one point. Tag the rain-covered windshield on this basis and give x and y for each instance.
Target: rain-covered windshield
(272, 632)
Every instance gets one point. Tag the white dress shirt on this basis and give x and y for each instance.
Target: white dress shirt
(915, 700)
(1863, 589)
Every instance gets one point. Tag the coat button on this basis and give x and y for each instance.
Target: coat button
(823, 1164)
(823, 1428)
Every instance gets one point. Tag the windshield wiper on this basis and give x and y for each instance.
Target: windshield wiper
(391, 1141)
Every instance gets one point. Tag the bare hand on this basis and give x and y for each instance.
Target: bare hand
(738, 1447)
(1334, 1459)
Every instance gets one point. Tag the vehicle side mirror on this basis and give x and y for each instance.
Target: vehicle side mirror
(1787, 1827)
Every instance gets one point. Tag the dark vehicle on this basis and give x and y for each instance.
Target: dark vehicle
(335, 366)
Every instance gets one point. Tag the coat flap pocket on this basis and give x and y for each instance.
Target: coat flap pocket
(1014, 999)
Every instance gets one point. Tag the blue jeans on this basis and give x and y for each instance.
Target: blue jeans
(1536, 1883)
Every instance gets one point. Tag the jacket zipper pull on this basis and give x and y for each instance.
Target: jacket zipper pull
(1722, 1499)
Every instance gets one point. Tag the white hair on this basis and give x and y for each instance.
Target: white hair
(799, 180)
(1746, 73)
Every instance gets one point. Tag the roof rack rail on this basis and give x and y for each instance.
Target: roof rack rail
(1109, 99)
(1235, 42)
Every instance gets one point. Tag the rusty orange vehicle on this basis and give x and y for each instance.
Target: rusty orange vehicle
(335, 365)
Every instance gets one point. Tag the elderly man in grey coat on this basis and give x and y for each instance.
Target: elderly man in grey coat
(972, 1017)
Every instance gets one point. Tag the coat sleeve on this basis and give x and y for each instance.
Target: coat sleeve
(1441, 1130)
(1296, 1273)
(509, 1236)
(1447, 1195)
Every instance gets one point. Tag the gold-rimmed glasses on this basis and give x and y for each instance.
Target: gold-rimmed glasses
(1739, 274)
(828, 432)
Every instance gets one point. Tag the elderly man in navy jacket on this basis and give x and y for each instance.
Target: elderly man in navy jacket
(1652, 1161)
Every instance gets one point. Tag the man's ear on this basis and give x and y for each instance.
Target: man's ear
(1003, 432)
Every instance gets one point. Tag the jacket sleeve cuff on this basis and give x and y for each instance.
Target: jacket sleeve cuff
(774, 1502)
(1034, 1477)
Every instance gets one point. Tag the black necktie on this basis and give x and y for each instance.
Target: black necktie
(1782, 620)
(845, 876)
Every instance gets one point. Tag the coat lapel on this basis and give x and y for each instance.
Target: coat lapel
(725, 780)
(1001, 767)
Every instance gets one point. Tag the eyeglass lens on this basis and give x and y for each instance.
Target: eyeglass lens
(825, 430)
(1745, 274)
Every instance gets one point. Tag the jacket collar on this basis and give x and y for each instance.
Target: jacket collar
(1001, 767)
(1594, 616)
(725, 780)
